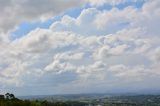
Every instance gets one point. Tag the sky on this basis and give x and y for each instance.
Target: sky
(79, 46)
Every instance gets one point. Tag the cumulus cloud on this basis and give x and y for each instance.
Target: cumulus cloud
(13, 12)
(96, 48)
(59, 67)
(48, 38)
(106, 51)
(95, 22)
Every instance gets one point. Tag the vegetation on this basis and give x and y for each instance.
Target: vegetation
(10, 100)
(140, 100)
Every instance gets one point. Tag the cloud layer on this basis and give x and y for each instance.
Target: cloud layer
(105, 51)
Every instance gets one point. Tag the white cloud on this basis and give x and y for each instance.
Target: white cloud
(13, 12)
(94, 22)
(136, 72)
(57, 66)
(154, 55)
(129, 55)
(49, 39)
(107, 51)
(69, 56)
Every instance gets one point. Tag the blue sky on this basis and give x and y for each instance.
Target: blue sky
(69, 47)
(26, 27)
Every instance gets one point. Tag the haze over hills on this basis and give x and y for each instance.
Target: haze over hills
(89, 96)
(82, 100)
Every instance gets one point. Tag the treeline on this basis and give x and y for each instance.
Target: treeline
(10, 100)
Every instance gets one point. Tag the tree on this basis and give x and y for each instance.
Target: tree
(7, 96)
(12, 96)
